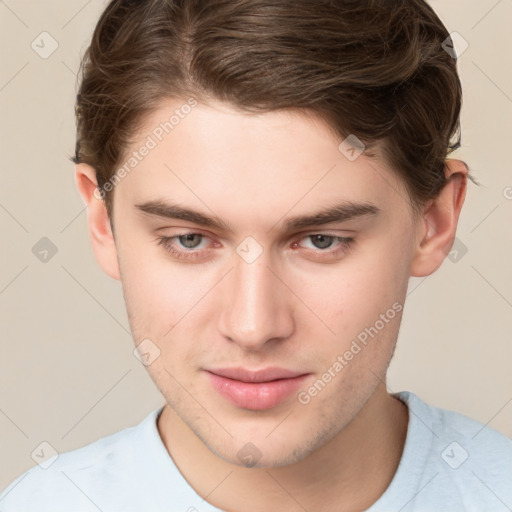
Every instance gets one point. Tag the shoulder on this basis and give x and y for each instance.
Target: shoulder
(467, 461)
(467, 438)
(75, 480)
(446, 424)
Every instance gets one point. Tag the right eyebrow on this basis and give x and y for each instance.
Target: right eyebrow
(160, 208)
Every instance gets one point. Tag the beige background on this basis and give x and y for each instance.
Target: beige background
(67, 371)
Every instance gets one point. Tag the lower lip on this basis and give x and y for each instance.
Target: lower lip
(256, 396)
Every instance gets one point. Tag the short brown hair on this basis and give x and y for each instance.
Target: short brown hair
(375, 69)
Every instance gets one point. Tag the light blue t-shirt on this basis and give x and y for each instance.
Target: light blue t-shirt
(450, 463)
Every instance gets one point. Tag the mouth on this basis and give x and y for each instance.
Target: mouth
(255, 390)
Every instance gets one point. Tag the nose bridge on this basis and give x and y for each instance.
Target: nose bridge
(256, 309)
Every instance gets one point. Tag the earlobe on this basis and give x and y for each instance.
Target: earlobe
(438, 224)
(100, 230)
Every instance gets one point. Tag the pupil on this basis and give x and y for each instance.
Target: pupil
(188, 239)
(326, 240)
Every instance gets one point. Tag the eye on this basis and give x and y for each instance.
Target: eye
(321, 241)
(325, 241)
(188, 241)
(187, 246)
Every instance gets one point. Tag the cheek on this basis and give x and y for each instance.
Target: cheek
(351, 295)
(162, 301)
(162, 298)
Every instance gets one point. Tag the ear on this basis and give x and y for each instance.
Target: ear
(438, 223)
(102, 238)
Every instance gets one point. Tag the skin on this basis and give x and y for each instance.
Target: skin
(294, 307)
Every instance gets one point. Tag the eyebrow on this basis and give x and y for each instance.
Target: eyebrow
(338, 213)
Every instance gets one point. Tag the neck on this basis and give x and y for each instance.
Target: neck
(348, 473)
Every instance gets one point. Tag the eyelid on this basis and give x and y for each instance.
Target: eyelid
(302, 233)
(299, 235)
(342, 247)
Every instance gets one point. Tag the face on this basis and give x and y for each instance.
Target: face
(259, 328)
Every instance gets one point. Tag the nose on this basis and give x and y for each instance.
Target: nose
(258, 306)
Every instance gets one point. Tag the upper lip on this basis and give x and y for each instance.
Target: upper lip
(264, 375)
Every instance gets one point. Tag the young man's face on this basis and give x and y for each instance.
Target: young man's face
(253, 295)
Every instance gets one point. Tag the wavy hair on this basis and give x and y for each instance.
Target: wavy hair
(376, 69)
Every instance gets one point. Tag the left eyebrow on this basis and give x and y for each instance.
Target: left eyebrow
(338, 213)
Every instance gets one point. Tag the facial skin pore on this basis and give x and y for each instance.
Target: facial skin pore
(298, 306)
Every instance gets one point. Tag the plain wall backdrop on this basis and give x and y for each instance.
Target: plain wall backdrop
(68, 375)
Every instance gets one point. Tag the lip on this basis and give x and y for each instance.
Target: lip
(255, 390)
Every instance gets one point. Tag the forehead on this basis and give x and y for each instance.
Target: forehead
(277, 161)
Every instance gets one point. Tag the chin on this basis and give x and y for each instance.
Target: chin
(264, 453)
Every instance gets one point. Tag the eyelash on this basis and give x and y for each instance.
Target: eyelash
(345, 244)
